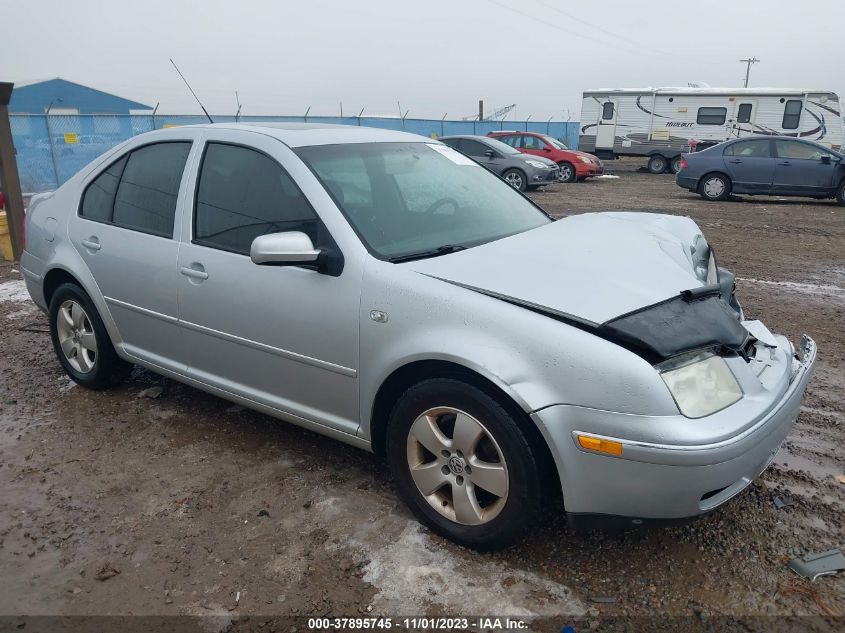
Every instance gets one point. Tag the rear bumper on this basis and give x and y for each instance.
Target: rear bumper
(686, 182)
(659, 481)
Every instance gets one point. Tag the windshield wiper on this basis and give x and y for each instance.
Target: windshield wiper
(440, 250)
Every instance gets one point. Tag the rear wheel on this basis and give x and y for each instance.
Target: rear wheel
(657, 164)
(81, 341)
(840, 194)
(567, 172)
(675, 165)
(515, 179)
(463, 465)
(714, 187)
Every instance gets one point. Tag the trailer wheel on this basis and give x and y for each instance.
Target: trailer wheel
(657, 164)
(675, 165)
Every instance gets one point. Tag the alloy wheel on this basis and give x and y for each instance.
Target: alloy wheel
(76, 336)
(457, 466)
(514, 179)
(565, 173)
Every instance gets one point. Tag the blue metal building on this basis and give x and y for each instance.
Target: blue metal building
(67, 97)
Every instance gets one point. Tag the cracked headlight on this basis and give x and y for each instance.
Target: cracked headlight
(537, 164)
(701, 384)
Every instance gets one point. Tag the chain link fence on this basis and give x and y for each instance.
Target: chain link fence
(52, 148)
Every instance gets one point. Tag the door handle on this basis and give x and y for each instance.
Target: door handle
(195, 271)
(735, 161)
(92, 243)
(785, 163)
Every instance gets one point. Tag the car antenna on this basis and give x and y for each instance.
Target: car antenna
(210, 120)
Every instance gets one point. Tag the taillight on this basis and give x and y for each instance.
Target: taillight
(684, 163)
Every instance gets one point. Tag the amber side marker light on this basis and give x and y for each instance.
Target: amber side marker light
(599, 445)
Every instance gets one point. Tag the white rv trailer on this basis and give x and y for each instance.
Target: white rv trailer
(661, 123)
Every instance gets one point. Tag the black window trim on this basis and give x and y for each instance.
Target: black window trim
(331, 245)
(700, 108)
(126, 155)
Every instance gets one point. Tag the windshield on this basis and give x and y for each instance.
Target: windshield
(555, 143)
(499, 146)
(408, 198)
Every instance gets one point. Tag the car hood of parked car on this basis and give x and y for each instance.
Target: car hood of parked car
(592, 267)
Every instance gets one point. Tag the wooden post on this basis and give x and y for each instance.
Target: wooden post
(9, 179)
(481, 109)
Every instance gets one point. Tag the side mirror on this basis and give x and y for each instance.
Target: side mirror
(292, 248)
(490, 153)
(826, 159)
(547, 149)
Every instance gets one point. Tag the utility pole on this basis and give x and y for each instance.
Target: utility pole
(748, 62)
(481, 109)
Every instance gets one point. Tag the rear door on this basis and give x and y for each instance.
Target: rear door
(803, 168)
(750, 165)
(606, 129)
(127, 233)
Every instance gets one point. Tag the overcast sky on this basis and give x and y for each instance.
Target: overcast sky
(433, 56)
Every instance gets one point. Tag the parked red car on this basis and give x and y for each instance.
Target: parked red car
(574, 165)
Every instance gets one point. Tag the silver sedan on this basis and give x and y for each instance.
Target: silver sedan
(385, 290)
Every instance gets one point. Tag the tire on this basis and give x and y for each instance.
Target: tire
(81, 341)
(714, 187)
(516, 179)
(657, 164)
(675, 165)
(435, 410)
(567, 172)
(840, 194)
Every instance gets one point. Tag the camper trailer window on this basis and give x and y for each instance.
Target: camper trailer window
(791, 114)
(607, 111)
(743, 114)
(712, 116)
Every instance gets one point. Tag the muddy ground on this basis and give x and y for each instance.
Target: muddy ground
(125, 503)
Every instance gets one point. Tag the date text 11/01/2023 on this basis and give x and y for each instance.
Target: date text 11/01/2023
(419, 623)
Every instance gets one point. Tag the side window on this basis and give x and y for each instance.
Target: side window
(473, 148)
(532, 142)
(607, 111)
(799, 151)
(791, 114)
(759, 148)
(512, 140)
(98, 199)
(146, 196)
(243, 194)
(743, 113)
(711, 116)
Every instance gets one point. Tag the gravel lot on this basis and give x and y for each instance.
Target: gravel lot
(156, 499)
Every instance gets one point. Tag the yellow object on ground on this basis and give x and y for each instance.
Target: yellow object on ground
(5, 240)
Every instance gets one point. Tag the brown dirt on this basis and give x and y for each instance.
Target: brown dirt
(117, 503)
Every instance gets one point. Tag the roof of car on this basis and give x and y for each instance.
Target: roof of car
(306, 134)
(476, 137)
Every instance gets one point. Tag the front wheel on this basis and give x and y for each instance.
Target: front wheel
(81, 341)
(515, 179)
(714, 187)
(463, 465)
(840, 194)
(657, 164)
(567, 172)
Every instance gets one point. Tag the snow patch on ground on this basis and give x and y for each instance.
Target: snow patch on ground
(810, 289)
(606, 177)
(14, 291)
(412, 571)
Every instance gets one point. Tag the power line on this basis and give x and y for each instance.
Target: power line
(748, 62)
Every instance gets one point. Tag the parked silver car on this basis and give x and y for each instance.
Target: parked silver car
(383, 289)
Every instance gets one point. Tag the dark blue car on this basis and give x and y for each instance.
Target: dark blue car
(764, 165)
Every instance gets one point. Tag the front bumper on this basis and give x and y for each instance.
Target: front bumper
(543, 176)
(656, 480)
(585, 170)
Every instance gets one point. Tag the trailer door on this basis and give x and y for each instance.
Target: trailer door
(606, 129)
(745, 112)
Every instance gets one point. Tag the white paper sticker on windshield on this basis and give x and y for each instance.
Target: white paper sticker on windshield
(452, 154)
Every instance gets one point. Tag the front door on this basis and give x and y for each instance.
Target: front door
(285, 337)
(483, 154)
(803, 168)
(606, 129)
(125, 235)
(745, 111)
(750, 165)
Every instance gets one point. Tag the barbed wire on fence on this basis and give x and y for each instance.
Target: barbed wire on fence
(52, 148)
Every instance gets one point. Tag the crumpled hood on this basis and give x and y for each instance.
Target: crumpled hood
(593, 267)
